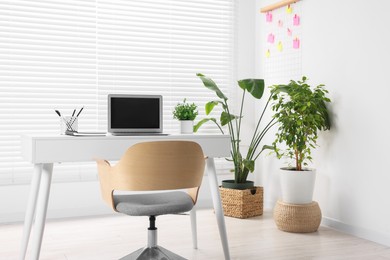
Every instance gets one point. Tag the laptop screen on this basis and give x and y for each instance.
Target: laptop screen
(134, 113)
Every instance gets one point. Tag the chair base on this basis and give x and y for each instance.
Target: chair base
(152, 253)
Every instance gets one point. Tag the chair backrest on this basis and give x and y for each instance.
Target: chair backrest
(161, 165)
(148, 166)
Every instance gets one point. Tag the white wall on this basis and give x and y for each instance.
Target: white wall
(345, 45)
(83, 198)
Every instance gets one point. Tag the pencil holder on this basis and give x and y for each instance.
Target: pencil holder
(69, 123)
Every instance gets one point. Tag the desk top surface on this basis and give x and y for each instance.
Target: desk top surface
(63, 148)
(116, 137)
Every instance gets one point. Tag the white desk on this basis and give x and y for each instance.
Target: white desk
(43, 151)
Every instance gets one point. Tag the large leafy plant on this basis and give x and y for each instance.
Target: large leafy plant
(301, 112)
(243, 164)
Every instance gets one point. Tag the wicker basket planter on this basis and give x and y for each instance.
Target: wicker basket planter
(297, 218)
(242, 203)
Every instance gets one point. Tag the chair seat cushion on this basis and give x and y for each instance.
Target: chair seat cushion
(153, 204)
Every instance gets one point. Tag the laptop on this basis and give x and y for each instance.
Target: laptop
(135, 114)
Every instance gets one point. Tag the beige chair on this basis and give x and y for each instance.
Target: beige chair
(154, 166)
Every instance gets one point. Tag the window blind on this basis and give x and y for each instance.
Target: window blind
(65, 55)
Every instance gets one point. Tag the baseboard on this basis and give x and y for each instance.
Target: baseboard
(18, 217)
(375, 236)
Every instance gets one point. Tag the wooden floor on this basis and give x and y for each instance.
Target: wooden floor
(111, 237)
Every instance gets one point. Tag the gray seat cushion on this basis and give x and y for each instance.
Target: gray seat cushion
(153, 204)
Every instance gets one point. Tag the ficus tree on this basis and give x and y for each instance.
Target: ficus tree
(300, 111)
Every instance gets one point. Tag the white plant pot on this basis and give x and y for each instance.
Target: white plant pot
(297, 186)
(186, 126)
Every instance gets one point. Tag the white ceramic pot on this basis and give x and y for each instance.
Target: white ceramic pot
(186, 126)
(297, 186)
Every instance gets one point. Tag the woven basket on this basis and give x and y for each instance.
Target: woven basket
(296, 218)
(242, 203)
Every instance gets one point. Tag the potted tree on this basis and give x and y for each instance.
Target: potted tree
(300, 111)
(186, 114)
(244, 162)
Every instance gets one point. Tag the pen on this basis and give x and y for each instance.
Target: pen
(66, 122)
(74, 118)
(79, 112)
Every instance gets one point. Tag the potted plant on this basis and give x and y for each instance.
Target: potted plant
(186, 114)
(300, 111)
(239, 197)
(243, 163)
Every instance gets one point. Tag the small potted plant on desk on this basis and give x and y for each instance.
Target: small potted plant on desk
(240, 198)
(186, 114)
(300, 112)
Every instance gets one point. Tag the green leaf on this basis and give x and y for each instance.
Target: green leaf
(249, 164)
(210, 84)
(210, 106)
(226, 118)
(276, 89)
(201, 122)
(268, 147)
(185, 111)
(253, 86)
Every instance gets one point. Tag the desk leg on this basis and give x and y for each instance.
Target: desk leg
(40, 218)
(194, 228)
(213, 182)
(30, 212)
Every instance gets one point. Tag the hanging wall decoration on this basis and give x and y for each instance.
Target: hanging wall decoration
(271, 38)
(289, 9)
(296, 20)
(267, 53)
(289, 32)
(296, 43)
(283, 43)
(268, 17)
(280, 46)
